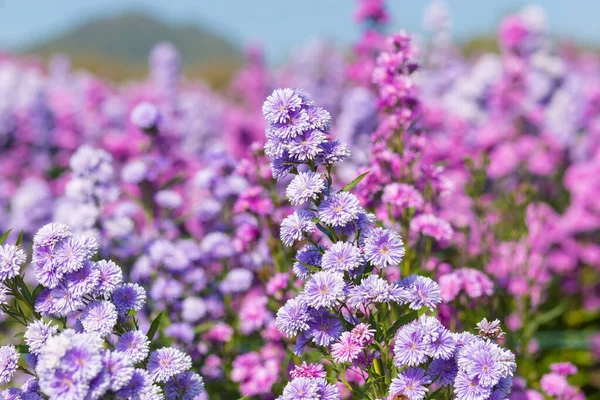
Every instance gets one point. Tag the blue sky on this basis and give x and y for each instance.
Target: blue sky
(282, 24)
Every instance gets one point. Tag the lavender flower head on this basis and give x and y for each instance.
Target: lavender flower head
(325, 289)
(304, 187)
(384, 247)
(340, 209)
(9, 362)
(167, 362)
(11, 259)
(237, 280)
(145, 116)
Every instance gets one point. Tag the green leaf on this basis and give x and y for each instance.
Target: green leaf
(154, 327)
(36, 292)
(311, 268)
(355, 182)
(19, 334)
(20, 239)
(22, 348)
(405, 319)
(4, 236)
(132, 312)
(24, 290)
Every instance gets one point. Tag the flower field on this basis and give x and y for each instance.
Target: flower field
(395, 222)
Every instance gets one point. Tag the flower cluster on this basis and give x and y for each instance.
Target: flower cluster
(82, 339)
(350, 308)
(469, 201)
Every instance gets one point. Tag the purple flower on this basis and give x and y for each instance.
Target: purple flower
(140, 384)
(324, 328)
(307, 146)
(374, 289)
(184, 386)
(295, 124)
(463, 338)
(410, 383)
(181, 331)
(326, 391)
(466, 388)
(134, 344)
(145, 116)
(63, 302)
(9, 362)
(384, 247)
(294, 226)
(237, 280)
(167, 362)
(485, 362)
(71, 253)
(486, 367)
(444, 371)
(346, 349)
(51, 234)
(281, 166)
(193, 309)
(308, 255)
(300, 389)
(100, 317)
(304, 187)
(83, 281)
(443, 345)
(92, 164)
(168, 199)
(111, 276)
(319, 118)
(11, 259)
(215, 244)
(325, 289)
(421, 292)
(334, 152)
(99, 385)
(276, 144)
(340, 209)
(410, 347)
(280, 104)
(129, 296)
(134, 172)
(342, 256)
(37, 334)
(119, 368)
(68, 362)
(293, 317)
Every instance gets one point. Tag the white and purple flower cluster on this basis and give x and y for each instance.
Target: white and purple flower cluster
(350, 305)
(428, 353)
(82, 339)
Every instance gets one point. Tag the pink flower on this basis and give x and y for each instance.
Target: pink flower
(430, 225)
(276, 283)
(346, 349)
(221, 332)
(305, 370)
(513, 31)
(563, 368)
(554, 384)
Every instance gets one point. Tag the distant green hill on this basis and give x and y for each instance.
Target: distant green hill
(118, 47)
